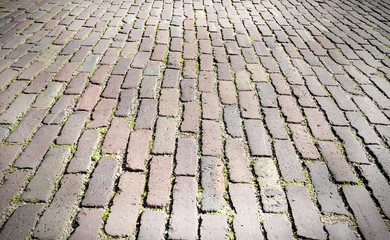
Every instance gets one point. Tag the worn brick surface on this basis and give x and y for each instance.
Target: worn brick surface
(11, 186)
(42, 185)
(284, 93)
(100, 186)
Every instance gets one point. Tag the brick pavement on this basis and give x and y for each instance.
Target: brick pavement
(195, 119)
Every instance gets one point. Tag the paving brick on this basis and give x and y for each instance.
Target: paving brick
(367, 216)
(46, 98)
(159, 184)
(101, 114)
(258, 74)
(233, 121)
(171, 78)
(116, 137)
(13, 89)
(27, 126)
(42, 186)
(12, 184)
(275, 123)
(258, 140)
(17, 109)
(60, 109)
(210, 106)
(370, 110)
(56, 217)
(340, 230)
(213, 186)
(188, 90)
(246, 222)
(272, 195)
(152, 225)
(342, 99)
(146, 114)
(138, 149)
(101, 184)
(333, 113)
(89, 98)
(213, 226)
(66, 72)
(290, 166)
(290, 109)
(324, 76)
(305, 98)
(278, 227)
(124, 212)
(336, 162)
(249, 104)
(227, 92)
(352, 147)
(306, 220)
(113, 87)
(363, 128)
(327, 195)
(318, 125)
(378, 184)
(72, 128)
(206, 81)
(165, 136)
(184, 222)
(36, 149)
(89, 222)
(8, 153)
(77, 85)
(21, 222)
(211, 139)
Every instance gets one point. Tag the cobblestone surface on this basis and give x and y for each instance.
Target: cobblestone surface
(194, 119)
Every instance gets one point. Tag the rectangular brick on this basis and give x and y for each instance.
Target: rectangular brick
(116, 137)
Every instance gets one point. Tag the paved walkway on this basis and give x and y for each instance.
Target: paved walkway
(213, 119)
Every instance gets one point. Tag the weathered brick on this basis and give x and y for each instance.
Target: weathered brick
(249, 104)
(210, 106)
(275, 123)
(171, 78)
(146, 114)
(89, 98)
(46, 98)
(21, 222)
(306, 219)
(258, 139)
(113, 87)
(13, 89)
(186, 156)
(378, 184)
(353, 149)
(367, 216)
(233, 121)
(77, 85)
(212, 181)
(341, 230)
(36, 149)
(101, 184)
(184, 222)
(318, 124)
(138, 149)
(327, 195)
(336, 162)
(278, 227)
(58, 215)
(290, 166)
(290, 109)
(101, 114)
(363, 128)
(305, 98)
(12, 184)
(42, 186)
(267, 95)
(371, 111)
(87, 144)
(334, 114)
(246, 222)
(159, 184)
(213, 227)
(72, 128)
(124, 212)
(188, 90)
(211, 139)
(66, 72)
(116, 137)
(165, 136)
(126, 103)
(27, 126)
(169, 101)
(206, 81)
(272, 195)
(152, 225)
(17, 109)
(89, 222)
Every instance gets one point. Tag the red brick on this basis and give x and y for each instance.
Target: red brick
(66, 73)
(13, 182)
(306, 219)
(290, 166)
(352, 147)
(210, 106)
(213, 186)
(13, 89)
(36, 149)
(146, 114)
(169, 101)
(318, 124)
(138, 150)
(99, 76)
(278, 227)
(238, 163)
(152, 225)
(72, 128)
(27, 126)
(102, 112)
(191, 117)
(124, 212)
(126, 103)
(116, 138)
(184, 221)
(101, 185)
(89, 222)
(249, 104)
(303, 142)
(89, 97)
(165, 136)
(159, 184)
(213, 227)
(86, 147)
(77, 85)
(8, 154)
(60, 109)
(258, 139)
(211, 139)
